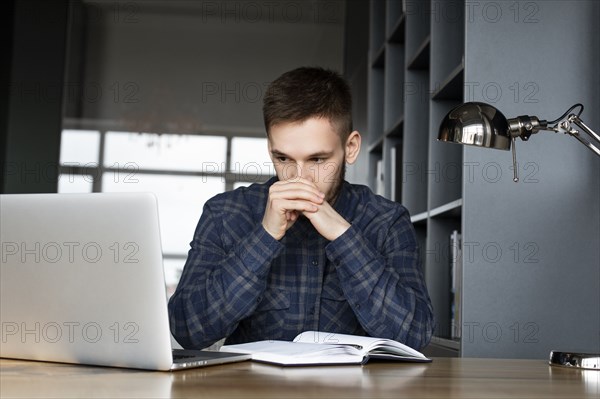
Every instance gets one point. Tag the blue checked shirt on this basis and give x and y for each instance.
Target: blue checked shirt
(241, 283)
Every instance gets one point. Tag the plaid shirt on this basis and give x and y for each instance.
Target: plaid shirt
(241, 283)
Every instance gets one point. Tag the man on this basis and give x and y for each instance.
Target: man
(305, 250)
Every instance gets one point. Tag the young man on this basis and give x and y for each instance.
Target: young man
(305, 250)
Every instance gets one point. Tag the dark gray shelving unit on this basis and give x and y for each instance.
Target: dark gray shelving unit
(402, 118)
(426, 57)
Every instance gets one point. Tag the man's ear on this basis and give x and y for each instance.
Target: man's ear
(352, 147)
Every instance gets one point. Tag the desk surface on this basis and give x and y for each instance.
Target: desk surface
(444, 378)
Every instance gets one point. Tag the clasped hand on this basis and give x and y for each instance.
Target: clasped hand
(288, 199)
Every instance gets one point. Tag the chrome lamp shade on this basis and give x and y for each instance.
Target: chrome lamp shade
(477, 124)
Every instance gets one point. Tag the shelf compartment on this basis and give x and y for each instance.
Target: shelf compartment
(394, 85)
(438, 274)
(378, 58)
(375, 105)
(419, 217)
(447, 42)
(392, 154)
(416, 141)
(452, 86)
(442, 347)
(377, 27)
(420, 60)
(450, 210)
(397, 128)
(394, 20)
(417, 32)
(376, 146)
(396, 32)
(445, 168)
(453, 344)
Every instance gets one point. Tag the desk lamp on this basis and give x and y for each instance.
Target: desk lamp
(482, 125)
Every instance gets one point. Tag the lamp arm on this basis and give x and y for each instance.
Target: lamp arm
(591, 141)
(524, 126)
(564, 124)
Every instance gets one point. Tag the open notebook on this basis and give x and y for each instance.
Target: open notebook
(314, 348)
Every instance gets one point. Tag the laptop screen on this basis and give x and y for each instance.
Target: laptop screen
(82, 280)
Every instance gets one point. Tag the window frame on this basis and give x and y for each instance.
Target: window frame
(97, 169)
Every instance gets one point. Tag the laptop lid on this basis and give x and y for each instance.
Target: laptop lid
(82, 281)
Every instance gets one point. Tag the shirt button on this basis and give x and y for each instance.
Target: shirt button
(315, 263)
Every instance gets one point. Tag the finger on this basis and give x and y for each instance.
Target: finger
(300, 180)
(292, 207)
(291, 215)
(299, 195)
(296, 190)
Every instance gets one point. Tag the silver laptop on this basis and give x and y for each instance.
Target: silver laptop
(82, 281)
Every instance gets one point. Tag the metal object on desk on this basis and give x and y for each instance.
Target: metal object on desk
(588, 361)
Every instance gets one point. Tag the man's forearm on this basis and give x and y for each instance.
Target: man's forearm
(219, 289)
(386, 293)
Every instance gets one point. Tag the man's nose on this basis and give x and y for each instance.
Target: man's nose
(300, 169)
(306, 171)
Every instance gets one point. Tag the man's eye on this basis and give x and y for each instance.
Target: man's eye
(282, 159)
(318, 160)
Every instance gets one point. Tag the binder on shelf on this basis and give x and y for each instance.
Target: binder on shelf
(393, 173)
(456, 288)
(380, 183)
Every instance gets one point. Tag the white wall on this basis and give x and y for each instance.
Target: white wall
(200, 65)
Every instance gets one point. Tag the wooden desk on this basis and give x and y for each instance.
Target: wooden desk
(444, 378)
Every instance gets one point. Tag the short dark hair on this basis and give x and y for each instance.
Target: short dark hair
(309, 92)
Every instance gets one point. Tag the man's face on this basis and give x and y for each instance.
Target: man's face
(312, 150)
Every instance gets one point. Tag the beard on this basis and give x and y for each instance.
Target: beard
(334, 193)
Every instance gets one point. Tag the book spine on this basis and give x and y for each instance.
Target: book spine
(456, 288)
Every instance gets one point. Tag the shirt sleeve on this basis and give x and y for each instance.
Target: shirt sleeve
(385, 287)
(221, 284)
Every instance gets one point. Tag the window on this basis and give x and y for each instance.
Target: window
(183, 171)
(168, 152)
